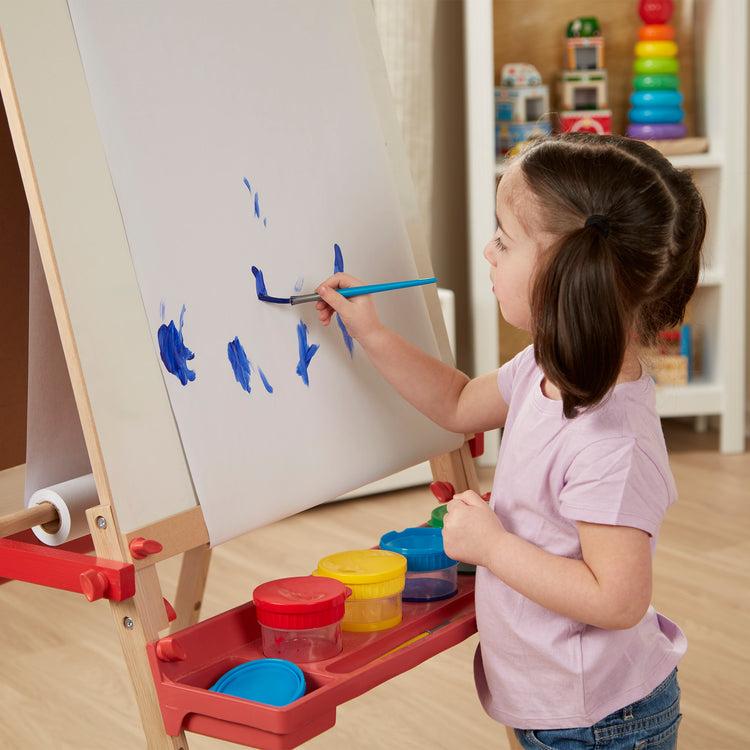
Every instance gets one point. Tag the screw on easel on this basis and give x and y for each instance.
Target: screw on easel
(101, 522)
(128, 623)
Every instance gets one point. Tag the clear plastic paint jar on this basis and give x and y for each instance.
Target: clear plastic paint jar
(430, 574)
(300, 618)
(376, 579)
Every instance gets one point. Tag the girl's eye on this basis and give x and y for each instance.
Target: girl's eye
(499, 244)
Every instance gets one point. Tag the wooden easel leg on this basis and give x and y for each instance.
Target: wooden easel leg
(456, 467)
(137, 621)
(190, 587)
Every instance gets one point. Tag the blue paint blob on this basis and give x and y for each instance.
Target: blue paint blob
(174, 354)
(260, 282)
(265, 222)
(247, 184)
(266, 384)
(306, 353)
(348, 340)
(240, 363)
(338, 259)
(338, 267)
(257, 207)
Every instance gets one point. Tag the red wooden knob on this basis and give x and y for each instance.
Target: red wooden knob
(140, 547)
(94, 584)
(170, 649)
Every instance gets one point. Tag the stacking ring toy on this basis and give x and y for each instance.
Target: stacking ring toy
(655, 49)
(656, 99)
(656, 83)
(656, 65)
(657, 132)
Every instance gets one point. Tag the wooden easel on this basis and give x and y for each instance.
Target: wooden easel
(141, 617)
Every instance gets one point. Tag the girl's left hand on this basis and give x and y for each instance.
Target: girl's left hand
(471, 530)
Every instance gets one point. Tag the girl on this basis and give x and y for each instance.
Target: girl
(597, 249)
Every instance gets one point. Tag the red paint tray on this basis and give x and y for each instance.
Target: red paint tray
(187, 664)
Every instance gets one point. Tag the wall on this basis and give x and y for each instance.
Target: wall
(14, 311)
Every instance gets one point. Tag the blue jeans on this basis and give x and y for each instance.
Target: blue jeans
(649, 724)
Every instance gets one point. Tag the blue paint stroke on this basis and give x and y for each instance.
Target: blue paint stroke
(306, 353)
(174, 354)
(240, 363)
(260, 282)
(256, 201)
(266, 384)
(262, 292)
(338, 267)
(338, 259)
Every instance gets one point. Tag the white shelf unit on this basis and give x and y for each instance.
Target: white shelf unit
(718, 308)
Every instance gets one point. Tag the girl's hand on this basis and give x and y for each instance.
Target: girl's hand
(471, 530)
(357, 313)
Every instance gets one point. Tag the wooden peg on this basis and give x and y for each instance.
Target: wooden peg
(94, 584)
(36, 515)
(141, 548)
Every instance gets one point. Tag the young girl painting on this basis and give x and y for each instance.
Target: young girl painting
(597, 249)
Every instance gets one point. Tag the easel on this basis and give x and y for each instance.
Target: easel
(125, 571)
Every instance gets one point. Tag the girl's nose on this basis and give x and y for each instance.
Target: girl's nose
(488, 254)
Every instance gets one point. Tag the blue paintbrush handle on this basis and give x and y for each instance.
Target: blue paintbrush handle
(355, 291)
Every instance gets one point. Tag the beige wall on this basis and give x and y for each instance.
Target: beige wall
(14, 304)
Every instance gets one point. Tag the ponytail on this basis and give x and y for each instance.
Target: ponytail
(577, 319)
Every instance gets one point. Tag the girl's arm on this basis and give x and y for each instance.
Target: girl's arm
(441, 392)
(609, 588)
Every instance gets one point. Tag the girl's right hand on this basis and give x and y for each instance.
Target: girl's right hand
(358, 314)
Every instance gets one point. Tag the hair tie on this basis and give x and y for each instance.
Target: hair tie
(599, 222)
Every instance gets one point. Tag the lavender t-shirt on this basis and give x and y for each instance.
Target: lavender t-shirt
(536, 669)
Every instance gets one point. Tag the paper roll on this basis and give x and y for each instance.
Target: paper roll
(71, 499)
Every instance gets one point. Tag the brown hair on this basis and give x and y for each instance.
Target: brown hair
(631, 268)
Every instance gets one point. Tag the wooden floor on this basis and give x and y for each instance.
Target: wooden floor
(63, 683)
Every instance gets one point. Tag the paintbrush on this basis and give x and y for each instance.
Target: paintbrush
(350, 291)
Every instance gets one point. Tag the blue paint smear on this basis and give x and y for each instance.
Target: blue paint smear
(260, 282)
(348, 340)
(266, 384)
(247, 184)
(240, 363)
(306, 353)
(338, 259)
(262, 292)
(174, 354)
(257, 207)
(265, 222)
(338, 267)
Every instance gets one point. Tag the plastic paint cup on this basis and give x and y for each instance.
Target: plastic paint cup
(300, 618)
(430, 574)
(376, 579)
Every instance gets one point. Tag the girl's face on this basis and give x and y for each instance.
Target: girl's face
(512, 253)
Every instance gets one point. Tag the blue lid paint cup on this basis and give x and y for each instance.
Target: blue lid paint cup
(430, 574)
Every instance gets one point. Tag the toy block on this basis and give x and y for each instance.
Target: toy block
(586, 121)
(509, 134)
(521, 103)
(579, 89)
(585, 53)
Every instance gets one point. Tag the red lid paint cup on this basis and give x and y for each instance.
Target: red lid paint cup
(300, 618)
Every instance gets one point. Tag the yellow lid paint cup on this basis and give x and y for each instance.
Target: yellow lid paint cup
(376, 579)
